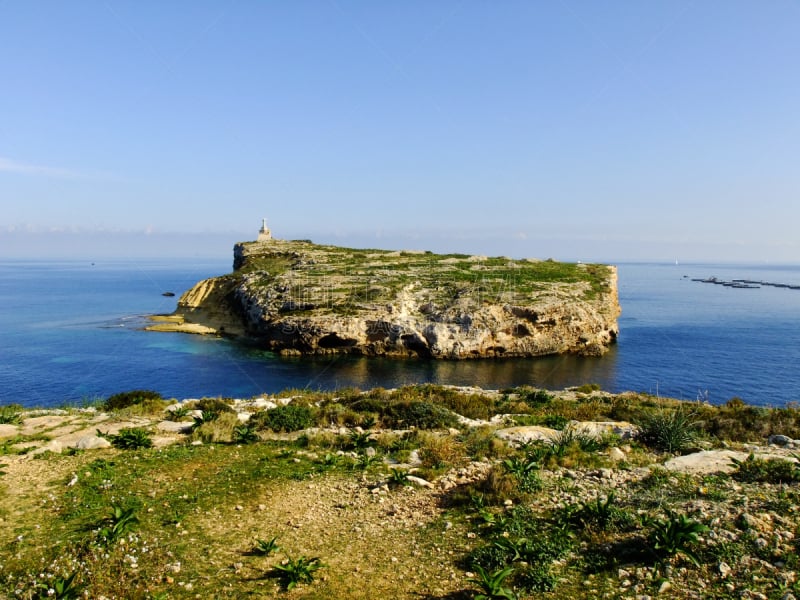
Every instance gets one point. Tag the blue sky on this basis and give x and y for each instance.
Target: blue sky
(578, 130)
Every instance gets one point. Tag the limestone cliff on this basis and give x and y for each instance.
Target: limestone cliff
(295, 297)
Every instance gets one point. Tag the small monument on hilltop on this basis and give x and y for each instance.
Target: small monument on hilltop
(264, 234)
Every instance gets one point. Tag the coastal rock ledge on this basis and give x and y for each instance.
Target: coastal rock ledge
(296, 297)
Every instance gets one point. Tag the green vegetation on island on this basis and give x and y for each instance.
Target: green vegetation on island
(296, 297)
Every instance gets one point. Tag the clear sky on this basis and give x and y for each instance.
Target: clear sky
(578, 130)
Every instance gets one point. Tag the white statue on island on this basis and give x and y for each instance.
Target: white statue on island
(264, 234)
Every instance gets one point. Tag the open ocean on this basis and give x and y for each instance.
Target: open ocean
(71, 331)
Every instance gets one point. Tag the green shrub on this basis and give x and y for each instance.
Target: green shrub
(290, 417)
(244, 434)
(300, 570)
(265, 547)
(491, 584)
(128, 399)
(130, 438)
(11, 414)
(601, 514)
(419, 414)
(179, 413)
(482, 442)
(472, 406)
(118, 524)
(218, 427)
(588, 388)
(519, 538)
(61, 588)
(555, 421)
(398, 478)
(675, 535)
(526, 472)
(358, 440)
(536, 578)
(537, 398)
(213, 406)
(670, 431)
(440, 451)
(760, 470)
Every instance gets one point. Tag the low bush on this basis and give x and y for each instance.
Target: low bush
(244, 434)
(675, 535)
(11, 414)
(220, 429)
(492, 584)
(299, 570)
(472, 406)
(265, 547)
(526, 543)
(118, 524)
(498, 486)
(481, 442)
(290, 417)
(588, 388)
(419, 414)
(672, 431)
(132, 398)
(333, 413)
(215, 406)
(131, 438)
(440, 451)
(602, 514)
(536, 398)
(526, 471)
(761, 470)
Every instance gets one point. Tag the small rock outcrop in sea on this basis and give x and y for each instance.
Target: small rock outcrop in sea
(296, 297)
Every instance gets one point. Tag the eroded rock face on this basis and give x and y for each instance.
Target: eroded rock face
(302, 298)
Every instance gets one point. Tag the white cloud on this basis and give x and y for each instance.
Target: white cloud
(12, 166)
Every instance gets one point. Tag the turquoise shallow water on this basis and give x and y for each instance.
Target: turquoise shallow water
(71, 331)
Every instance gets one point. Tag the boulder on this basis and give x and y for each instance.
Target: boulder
(623, 429)
(525, 434)
(706, 461)
(7, 430)
(780, 440)
(92, 442)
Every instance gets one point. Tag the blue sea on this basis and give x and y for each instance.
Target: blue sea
(72, 332)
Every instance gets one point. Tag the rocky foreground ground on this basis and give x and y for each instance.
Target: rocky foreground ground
(584, 507)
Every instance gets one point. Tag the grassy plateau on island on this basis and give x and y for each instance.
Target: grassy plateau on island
(420, 492)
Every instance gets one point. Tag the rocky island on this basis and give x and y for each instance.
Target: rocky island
(297, 297)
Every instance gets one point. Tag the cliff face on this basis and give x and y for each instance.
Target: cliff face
(301, 298)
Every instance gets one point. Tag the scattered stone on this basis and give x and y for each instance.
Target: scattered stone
(420, 481)
(783, 441)
(705, 462)
(749, 522)
(616, 454)
(174, 427)
(92, 442)
(7, 430)
(52, 446)
(525, 434)
(724, 569)
(598, 429)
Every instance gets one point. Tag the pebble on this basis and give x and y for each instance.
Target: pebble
(724, 569)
